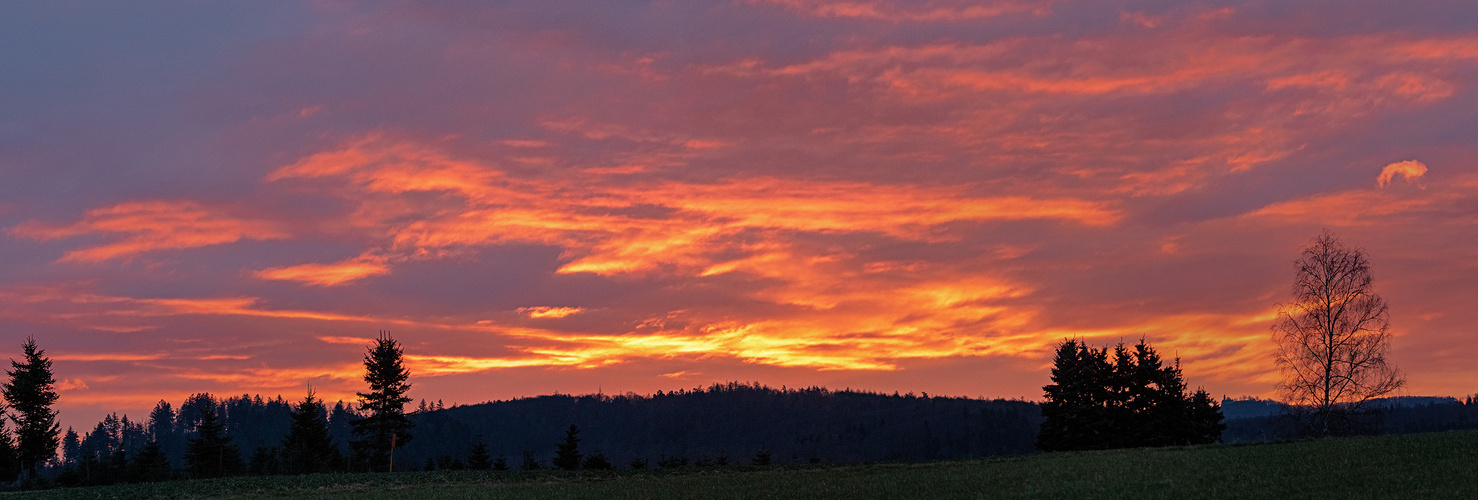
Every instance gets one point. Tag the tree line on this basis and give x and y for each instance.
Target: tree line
(1332, 341)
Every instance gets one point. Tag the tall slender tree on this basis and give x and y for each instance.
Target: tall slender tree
(567, 455)
(211, 453)
(307, 448)
(384, 425)
(31, 392)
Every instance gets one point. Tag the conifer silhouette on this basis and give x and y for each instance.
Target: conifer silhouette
(478, 457)
(385, 425)
(150, 464)
(307, 448)
(211, 453)
(567, 456)
(31, 392)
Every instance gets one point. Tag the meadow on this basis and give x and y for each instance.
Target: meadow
(1434, 465)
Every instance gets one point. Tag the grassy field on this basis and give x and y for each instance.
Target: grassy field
(1440, 465)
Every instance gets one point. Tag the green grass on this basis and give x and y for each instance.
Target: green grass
(1439, 465)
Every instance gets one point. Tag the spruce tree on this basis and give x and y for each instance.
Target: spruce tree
(30, 392)
(1135, 400)
(529, 462)
(211, 453)
(1206, 418)
(151, 465)
(10, 465)
(567, 456)
(384, 424)
(478, 457)
(1076, 414)
(308, 448)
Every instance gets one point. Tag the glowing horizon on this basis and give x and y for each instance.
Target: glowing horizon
(877, 195)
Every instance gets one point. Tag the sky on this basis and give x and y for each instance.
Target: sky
(580, 197)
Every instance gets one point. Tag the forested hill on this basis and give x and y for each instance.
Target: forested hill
(735, 421)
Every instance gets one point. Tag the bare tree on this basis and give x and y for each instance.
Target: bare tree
(1333, 338)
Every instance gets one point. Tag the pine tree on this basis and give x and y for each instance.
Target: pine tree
(1076, 413)
(478, 457)
(10, 465)
(151, 465)
(307, 448)
(529, 462)
(762, 457)
(71, 447)
(31, 393)
(500, 463)
(211, 453)
(385, 424)
(1206, 418)
(567, 456)
(1136, 400)
(596, 461)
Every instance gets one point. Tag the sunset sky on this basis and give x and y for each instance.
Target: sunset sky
(541, 196)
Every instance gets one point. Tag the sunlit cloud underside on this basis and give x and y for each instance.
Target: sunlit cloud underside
(877, 195)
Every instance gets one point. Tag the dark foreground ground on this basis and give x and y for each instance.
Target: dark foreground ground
(1437, 465)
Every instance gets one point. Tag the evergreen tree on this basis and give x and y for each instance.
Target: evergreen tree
(307, 448)
(762, 457)
(567, 456)
(529, 462)
(71, 447)
(478, 457)
(211, 453)
(10, 465)
(500, 463)
(151, 465)
(1206, 419)
(31, 393)
(596, 461)
(1076, 412)
(384, 425)
(1136, 400)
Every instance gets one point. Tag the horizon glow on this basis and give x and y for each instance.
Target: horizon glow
(573, 197)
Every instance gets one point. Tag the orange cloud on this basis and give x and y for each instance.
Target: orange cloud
(1411, 170)
(549, 312)
(151, 225)
(329, 274)
(908, 11)
(588, 219)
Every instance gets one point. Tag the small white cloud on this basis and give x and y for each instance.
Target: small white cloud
(1410, 169)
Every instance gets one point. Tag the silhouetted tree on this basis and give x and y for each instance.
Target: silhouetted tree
(567, 456)
(500, 463)
(161, 429)
(1333, 339)
(478, 457)
(596, 461)
(1135, 400)
(638, 463)
(762, 457)
(307, 447)
(71, 447)
(10, 465)
(1075, 413)
(384, 424)
(1206, 419)
(30, 392)
(211, 453)
(529, 462)
(150, 464)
